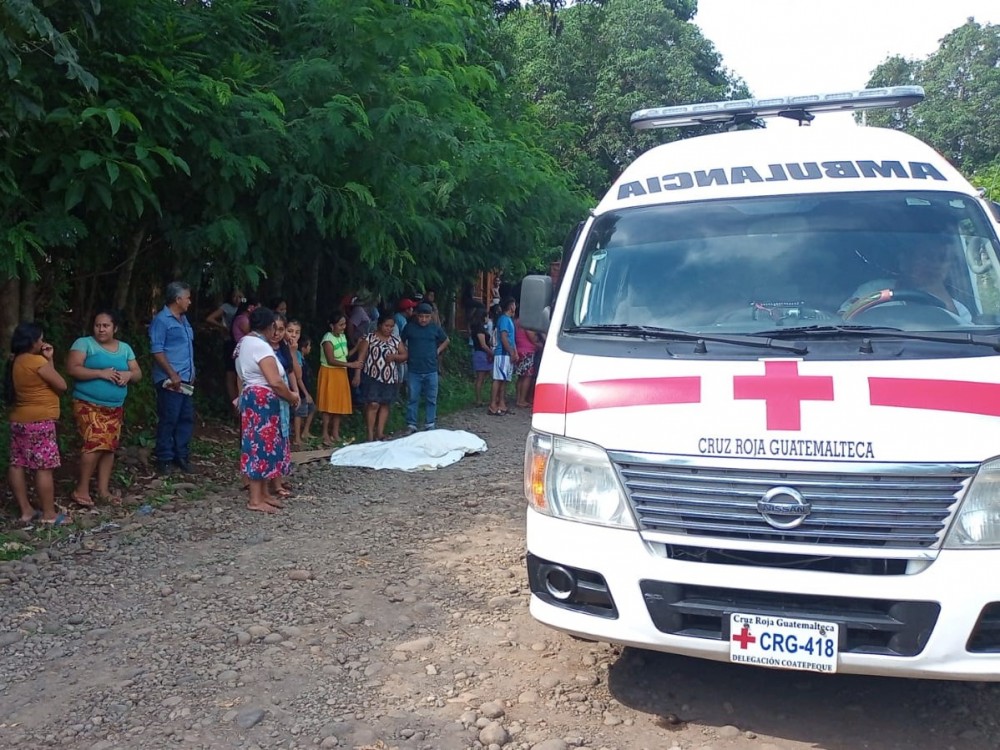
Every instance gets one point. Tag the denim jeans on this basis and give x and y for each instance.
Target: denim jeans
(175, 425)
(422, 384)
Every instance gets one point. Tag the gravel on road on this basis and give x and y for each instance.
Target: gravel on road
(387, 610)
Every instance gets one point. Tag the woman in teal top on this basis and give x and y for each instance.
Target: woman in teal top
(102, 367)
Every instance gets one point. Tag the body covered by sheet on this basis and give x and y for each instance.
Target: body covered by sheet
(421, 451)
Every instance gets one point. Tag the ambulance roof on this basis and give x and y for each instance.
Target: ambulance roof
(782, 161)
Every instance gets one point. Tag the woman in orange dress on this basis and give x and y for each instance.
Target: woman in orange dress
(333, 390)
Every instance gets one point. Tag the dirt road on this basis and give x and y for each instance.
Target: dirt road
(386, 610)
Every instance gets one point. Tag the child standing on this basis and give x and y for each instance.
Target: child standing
(284, 354)
(302, 345)
(32, 389)
(333, 391)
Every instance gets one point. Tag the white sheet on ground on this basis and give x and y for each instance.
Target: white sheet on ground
(421, 451)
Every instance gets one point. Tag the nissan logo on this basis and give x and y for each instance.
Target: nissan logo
(783, 507)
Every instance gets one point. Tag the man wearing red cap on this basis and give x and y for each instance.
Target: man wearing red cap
(404, 311)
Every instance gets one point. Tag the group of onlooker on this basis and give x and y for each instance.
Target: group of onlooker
(101, 367)
(502, 348)
(366, 355)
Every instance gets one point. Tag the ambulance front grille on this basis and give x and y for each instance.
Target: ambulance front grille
(895, 506)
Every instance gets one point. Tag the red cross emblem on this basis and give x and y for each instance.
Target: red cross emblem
(783, 390)
(744, 638)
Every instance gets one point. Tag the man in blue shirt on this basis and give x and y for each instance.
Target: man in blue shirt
(424, 341)
(171, 340)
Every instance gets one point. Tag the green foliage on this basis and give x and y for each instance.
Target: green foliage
(323, 144)
(605, 62)
(988, 178)
(959, 117)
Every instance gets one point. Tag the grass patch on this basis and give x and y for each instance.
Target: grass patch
(12, 548)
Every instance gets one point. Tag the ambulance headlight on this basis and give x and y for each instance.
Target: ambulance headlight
(978, 521)
(574, 480)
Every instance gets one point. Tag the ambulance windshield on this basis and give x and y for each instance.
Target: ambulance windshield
(916, 261)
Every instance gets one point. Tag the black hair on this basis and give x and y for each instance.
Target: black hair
(115, 315)
(305, 340)
(273, 304)
(384, 317)
(21, 342)
(261, 319)
(506, 302)
(478, 316)
(246, 303)
(335, 317)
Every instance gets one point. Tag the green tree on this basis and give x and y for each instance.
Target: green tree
(607, 61)
(959, 117)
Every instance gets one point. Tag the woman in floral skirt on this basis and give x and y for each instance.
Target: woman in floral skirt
(264, 453)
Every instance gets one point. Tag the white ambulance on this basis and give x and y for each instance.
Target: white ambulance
(766, 425)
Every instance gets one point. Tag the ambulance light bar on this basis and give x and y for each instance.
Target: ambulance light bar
(801, 108)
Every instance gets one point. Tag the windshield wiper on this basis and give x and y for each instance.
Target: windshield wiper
(671, 334)
(946, 337)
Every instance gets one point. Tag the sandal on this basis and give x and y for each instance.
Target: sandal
(112, 498)
(497, 413)
(83, 502)
(29, 524)
(61, 520)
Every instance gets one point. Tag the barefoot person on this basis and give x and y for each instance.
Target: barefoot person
(264, 453)
(102, 367)
(32, 390)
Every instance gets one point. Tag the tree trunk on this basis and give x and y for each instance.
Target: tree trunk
(29, 292)
(134, 244)
(10, 305)
(312, 290)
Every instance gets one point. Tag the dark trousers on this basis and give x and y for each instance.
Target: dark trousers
(175, 425)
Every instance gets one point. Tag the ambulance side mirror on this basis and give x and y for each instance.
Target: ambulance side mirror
(536, 303)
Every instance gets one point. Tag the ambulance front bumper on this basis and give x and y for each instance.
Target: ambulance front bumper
(605, 584)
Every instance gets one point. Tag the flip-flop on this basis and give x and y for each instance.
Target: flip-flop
(29, 524)
(83, 502)
(114, 498)
(498, 413)
(61, 520)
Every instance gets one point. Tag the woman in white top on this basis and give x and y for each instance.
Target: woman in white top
(264, 449)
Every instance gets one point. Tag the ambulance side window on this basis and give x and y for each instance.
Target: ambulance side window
(984, 270)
